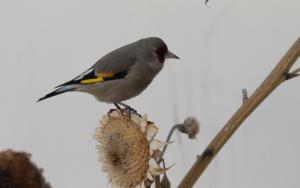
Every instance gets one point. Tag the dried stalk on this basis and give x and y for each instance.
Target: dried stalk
(157, 178)
(177, 126)
(157, 181)
(279, 74)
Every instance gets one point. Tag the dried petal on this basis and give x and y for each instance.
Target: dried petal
(114, 114)
(156, 154)
(147, 183)
(135, 118)
(151, 131)
(149, 176)
(104, 119)
(143, 123)
(156, 144)
(154, 168)
(142, 185)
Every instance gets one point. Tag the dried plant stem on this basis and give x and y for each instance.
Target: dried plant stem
(157, 181)
(157, 178)
(177, 126)
(278, 75)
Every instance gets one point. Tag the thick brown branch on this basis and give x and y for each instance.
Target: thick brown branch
(274, 79)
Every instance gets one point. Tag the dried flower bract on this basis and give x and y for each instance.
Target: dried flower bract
(126, 146)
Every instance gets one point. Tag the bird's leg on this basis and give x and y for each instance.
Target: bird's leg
(117, 106)
(126, 107)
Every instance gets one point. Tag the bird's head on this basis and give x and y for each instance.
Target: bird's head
(159, 48)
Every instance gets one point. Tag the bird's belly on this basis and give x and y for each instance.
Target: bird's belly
(115, 91)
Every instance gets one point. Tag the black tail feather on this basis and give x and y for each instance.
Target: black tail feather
(68, 83)
(56, 92)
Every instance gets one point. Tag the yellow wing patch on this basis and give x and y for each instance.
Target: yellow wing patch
(100, 78)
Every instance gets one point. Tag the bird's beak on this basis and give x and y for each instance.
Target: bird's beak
(171, 55)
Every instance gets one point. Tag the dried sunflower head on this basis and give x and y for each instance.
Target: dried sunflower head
(17, 170)
(127, 147)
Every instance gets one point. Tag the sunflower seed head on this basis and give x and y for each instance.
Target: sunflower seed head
(126, 149)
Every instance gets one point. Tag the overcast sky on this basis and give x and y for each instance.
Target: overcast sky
(232, 45)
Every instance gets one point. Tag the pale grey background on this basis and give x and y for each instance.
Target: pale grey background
(231, 46)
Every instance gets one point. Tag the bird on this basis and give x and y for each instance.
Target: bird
(121, 74)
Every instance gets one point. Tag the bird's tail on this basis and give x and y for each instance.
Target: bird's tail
(58, 91)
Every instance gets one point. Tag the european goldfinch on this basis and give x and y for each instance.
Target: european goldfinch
(121, 74)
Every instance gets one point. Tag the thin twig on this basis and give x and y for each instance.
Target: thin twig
(293, 74)
(245, 95)
(296, 71)
(177, 126)
(274, 79)
(165, 182)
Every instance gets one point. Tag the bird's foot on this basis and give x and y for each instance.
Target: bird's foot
(127, 110)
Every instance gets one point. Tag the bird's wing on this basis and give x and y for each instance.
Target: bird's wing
(116, 61)
(114, 65)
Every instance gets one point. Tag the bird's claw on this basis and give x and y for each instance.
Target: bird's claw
(127, 110)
